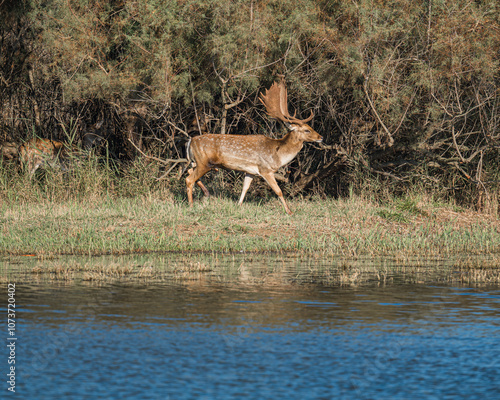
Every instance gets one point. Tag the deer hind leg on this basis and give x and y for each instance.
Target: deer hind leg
(193, 177)
(202, 186)
(246, 184)
(271, 180)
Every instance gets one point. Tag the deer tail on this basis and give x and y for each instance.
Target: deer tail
(189, 156)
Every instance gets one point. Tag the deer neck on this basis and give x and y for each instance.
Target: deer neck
(288, 147)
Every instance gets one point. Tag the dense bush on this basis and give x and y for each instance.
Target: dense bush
(406, 93)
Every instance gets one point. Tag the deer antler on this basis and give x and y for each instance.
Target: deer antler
(276, 103)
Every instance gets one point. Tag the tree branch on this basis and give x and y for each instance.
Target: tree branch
(166, 161)
(389, 135)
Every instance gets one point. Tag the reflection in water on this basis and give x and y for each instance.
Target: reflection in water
(267, 333)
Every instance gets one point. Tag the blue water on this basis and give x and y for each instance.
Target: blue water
(222, 341)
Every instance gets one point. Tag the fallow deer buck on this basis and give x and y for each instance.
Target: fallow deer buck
(252, 154)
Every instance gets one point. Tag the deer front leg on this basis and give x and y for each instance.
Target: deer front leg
(269, 177)
(246, 184)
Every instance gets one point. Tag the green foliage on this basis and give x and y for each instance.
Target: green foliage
(165, 49)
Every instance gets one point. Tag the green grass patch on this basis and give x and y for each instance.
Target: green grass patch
(144, 224)
(97, 209)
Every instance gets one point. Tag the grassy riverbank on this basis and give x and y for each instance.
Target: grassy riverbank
(414, 226)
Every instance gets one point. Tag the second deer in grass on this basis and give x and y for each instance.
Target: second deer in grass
(42, 153)
(252, 154)
(38, 152)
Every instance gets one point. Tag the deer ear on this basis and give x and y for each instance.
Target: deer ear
(290, 126)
